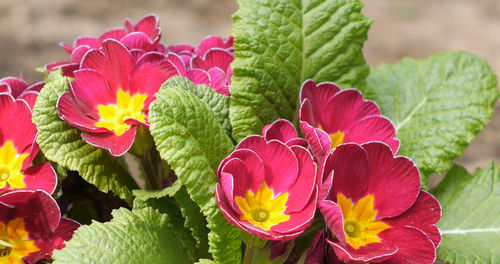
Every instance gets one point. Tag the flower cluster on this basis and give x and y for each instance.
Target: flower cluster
(116, 75)
(30, 221)
(346, 166)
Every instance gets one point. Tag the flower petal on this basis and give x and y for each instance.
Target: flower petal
(40, 176)
(116, 145)
(413, 245)
(373, 128)
(305, 184)
(394, 181)
(281, 129)
(15, 124)
(371, 253)
(70, 111)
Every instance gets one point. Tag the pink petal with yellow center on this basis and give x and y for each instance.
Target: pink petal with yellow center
(424, 214)
(279, 162)
(393, 181)
(299, 220)
(16, 125)
(80, 117)
(90, 89)
(40, 176)
(116, 145)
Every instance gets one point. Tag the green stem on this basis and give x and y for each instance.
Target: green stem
(249, 255)
(153, 169)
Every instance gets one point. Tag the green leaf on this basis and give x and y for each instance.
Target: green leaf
(217, 102)
(470, 225)
(438, 105)
(280, 44)
(62, 143)
(190, 139)
(139, 236)
(149, 194)
(168, 206)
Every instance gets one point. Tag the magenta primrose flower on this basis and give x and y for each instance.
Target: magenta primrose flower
(209, 62)
(375, 209)
(330, 117)
(20, 90)
(143, 37)
(18, 149)
(111, 94)
(31, 227)
(268, 188)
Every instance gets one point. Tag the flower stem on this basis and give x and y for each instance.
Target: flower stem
(249, 255)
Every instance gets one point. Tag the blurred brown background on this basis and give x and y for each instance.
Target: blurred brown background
(31, 30)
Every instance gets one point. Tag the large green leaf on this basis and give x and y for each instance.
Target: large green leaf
(190, 139)
(280, 44)
(217, 102)
(471, 216)
(138, 236)
(438, 105)
(63, 144)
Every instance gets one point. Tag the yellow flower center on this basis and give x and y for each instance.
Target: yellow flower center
(14, 243)
(113, 116)
(261, 209)
(359, 226)
(10, 166)
(336, 138)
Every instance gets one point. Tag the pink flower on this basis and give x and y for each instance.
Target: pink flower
(143, 37)
(209, 62)
(18, 149)
(373, 205)
(111, 94)
(20, 90)
(31, 227)
(330, 117)
(268, 188)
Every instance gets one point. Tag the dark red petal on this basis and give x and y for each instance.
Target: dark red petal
(279, 162)
(370, 253)
(282, 130)
(199, 76)
(15, 124)
(318, 140)
(71, 112)
(301, 191)
(17, 85)
(373, 128)
(29, 97)
(40, 176)
(351, 168)
(345, 109)
(333, 218)
(39, 210)
(424, 214)
(393, 181)
(319, 95)
(413, 245)
(138, 40)
(116, 145)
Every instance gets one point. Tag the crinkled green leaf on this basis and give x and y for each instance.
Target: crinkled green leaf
(438, 105)
(139, 236)
(217, 102)
(168, 191)
(62, 143)
(168, 205)
(470, 225)
(190, 139)
(280, 44)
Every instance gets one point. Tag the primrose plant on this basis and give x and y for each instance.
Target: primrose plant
(276, 145)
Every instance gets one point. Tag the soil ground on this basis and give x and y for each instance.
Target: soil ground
(31, 30)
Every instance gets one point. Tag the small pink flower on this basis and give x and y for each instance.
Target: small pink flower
(373, 205)
(268, 188)
(111, 94)
(18, 149)
(143, 37)
(330, 117)
(31, 227)
(20, 90)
